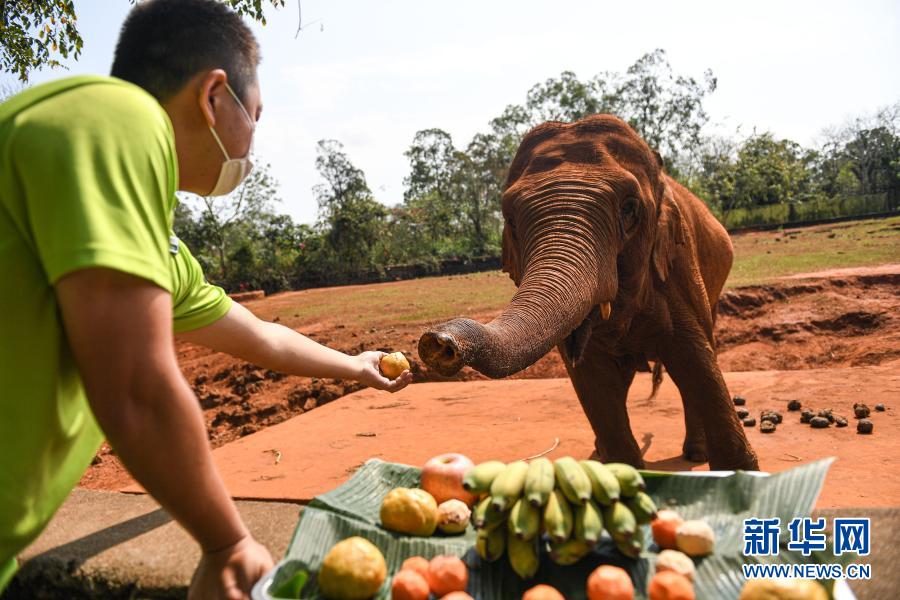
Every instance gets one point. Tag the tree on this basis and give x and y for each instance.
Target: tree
(770, 171)
(350, 218)
(35, 33)
(665, 109)
(566, 99)
(429, 198)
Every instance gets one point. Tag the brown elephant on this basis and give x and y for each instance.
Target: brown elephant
(616, 264)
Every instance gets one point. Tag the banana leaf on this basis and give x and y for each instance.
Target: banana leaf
(723, 501)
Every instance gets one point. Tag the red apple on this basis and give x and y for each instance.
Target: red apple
(442, 478)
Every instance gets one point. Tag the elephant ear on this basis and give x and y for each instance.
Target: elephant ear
(669, 234)
(510, 254)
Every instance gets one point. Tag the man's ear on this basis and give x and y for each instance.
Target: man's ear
(510, 254)
(211, 88)
(669, 234)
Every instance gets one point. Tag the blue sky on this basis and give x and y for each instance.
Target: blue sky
(380, 71)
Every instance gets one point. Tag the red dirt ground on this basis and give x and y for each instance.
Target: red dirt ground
(846, 320)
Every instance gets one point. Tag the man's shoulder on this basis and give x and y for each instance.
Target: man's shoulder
(88, 102)
(71, 91)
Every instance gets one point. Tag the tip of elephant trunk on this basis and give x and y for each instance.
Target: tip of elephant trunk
(441, 352)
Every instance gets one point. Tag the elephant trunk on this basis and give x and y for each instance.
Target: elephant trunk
(564, 289)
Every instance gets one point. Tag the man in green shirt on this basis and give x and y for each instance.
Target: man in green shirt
(95, 282)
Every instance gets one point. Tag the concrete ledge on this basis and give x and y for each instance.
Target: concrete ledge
(112, 545)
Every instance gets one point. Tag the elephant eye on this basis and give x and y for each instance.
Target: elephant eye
(629, 213)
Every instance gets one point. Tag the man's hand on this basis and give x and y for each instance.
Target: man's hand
(370, 373)
(281, 349)
(229, 574)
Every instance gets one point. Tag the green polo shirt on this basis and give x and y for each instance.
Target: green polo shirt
(88, 175)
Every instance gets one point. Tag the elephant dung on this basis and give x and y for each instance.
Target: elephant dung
(819, 422)
(749, 422)
(742, 413)
(879, 407)
(767, 426)
(806, 416)
(771, 415)
(794, 405)
(864, 426)
(739, 401)
(826, 413)
(861, 410)
(840, 421)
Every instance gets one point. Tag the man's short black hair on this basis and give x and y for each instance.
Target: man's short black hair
(163, 43)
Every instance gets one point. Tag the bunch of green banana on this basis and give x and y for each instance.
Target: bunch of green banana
(566, 503)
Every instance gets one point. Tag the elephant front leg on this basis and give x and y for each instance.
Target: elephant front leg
(691, 362)
(602, 388)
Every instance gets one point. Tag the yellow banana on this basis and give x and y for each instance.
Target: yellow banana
(568, 553)
(588, 523)
(558, 520)
(630, 481)
(642, 507)
(619, 521)
(539, 481)
(478, 479)
(572, 480)
(490, 543)
(524, 520)
(507, 486)
(485, 516)
(523, 556)
(631, 548)
(603, 483)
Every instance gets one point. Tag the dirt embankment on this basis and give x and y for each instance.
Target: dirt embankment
(846, 321)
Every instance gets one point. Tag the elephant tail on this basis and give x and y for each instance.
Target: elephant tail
(657, 379)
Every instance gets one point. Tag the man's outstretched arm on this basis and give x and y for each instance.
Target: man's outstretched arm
(281, 349)
(120, 330)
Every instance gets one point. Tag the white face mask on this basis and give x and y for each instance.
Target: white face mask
(234, 170)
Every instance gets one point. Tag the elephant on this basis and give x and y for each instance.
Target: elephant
(617, 265)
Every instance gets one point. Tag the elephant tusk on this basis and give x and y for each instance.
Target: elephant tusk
(605, 310)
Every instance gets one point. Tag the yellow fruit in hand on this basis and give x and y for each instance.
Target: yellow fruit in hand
(354, 569)
(409, 510)
(392, 365)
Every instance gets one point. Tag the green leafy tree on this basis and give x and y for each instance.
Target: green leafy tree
(566, 98)
(770, 171)
(350, 218)
(664, 108)
(37, 33)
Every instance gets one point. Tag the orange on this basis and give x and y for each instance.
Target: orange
(447, 574)
(418, 564)
(669, 585)
(664, 526)
(543, 592)
(409, 585)
(610, 583)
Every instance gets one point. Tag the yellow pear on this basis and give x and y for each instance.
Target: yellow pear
(392, 365)
(409, 510)
(354, 569)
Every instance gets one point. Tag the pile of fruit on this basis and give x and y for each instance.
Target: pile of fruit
(523, 509)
